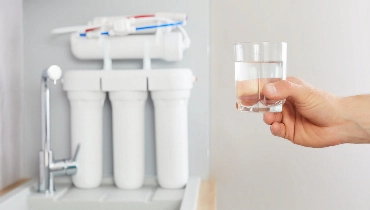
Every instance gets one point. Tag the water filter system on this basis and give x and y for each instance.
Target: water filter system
(155, 36)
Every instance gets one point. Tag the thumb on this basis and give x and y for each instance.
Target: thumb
(283, 89)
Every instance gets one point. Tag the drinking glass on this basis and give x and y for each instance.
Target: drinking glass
(256, 64)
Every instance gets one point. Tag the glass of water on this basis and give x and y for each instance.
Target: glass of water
(256, 64)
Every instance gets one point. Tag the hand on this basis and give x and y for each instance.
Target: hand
(310, 117)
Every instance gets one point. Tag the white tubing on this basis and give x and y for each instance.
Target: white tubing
(128, 138)
(106, 54)
(86, 130)
(171, 129)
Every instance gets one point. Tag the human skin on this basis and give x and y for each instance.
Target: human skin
(248, 92)
(315, 118)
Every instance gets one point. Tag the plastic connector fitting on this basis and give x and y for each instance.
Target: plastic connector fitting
(123, 26)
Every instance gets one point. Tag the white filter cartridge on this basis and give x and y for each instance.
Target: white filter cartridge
(169, 47)
(128, 92)
(86, 130)
(128, 137)
(170, 91)
(171, 129)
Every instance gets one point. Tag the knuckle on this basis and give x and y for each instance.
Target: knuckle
(295, 80)
(283, 84)
(310, 95)
(292, 78)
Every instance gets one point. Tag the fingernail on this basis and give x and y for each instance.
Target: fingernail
(271, 88)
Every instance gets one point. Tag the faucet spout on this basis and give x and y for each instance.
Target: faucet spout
(48, 167)
(53, 73)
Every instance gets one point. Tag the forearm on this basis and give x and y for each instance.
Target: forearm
(355, 111)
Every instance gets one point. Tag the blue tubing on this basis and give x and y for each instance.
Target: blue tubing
(159, 26)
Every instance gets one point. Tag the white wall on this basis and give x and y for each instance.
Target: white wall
(42, 49)
(10, 90)
(328, 46)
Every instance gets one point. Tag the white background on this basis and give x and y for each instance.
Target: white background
(328, 46)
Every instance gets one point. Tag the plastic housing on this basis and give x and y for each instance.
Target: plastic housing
(169, 46)
(128, 90)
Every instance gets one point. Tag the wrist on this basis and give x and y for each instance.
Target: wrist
(355, 115)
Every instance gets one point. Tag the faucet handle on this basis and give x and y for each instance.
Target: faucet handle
(76, 152)
(65, 167)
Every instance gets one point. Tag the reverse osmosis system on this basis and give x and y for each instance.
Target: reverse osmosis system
(153, 36)
(162, 34)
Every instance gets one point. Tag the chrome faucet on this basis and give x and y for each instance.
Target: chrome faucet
(48, 167)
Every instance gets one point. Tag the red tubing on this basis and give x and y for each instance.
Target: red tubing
(91, 29)
(142, 16)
